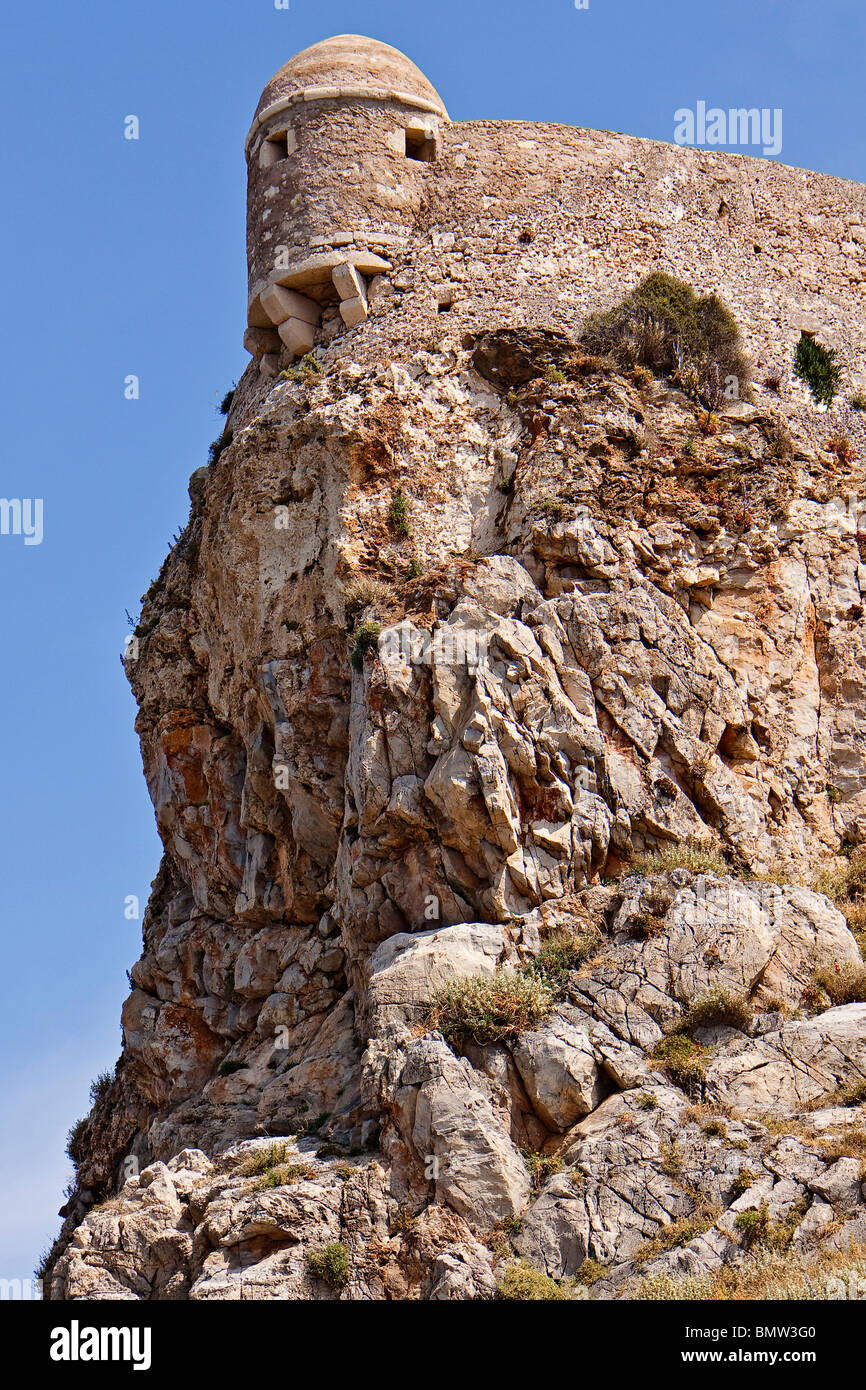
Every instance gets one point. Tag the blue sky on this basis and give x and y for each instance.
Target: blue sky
(127, 257)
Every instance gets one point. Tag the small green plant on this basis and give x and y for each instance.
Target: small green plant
(490, 1008)
(540, 1167)
(689, 448)
(834, 796)
(331, 1264)
(366, 636)
(227, 1068)
(553, 374)
(521, 1283)
(753, 1224)
(399, 513)
(308, 366)
(817, 366)
(646, 1101)
(416, 569)
(403, 1223)
(683, 1061)
(505, 484)
(226, 402)
(75, 1142)
(719, 1007)
(845, 984)
(219, 445)
(344, 1171)
(858, 401)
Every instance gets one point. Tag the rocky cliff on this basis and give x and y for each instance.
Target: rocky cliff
(478, 661)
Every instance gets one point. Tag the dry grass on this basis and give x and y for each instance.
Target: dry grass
(689, 855)
(767, 1275)
(490, 1008)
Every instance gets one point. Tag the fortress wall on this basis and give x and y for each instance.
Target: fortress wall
(786, 248)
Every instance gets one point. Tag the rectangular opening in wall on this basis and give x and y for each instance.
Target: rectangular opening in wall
(420, 145)
(275, 148)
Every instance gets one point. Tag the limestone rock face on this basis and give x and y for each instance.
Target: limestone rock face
(448, 650)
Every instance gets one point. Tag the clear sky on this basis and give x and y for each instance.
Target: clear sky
(126, 257)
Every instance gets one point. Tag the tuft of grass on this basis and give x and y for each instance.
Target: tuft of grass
(521, 1283)
(490, 1008)
(330, 1264)
(366, 636)
(562, 952)
(688, 855)
(858, 401)
(553, 374)
(683, 1061)
(284, 1175)
(399, 513)
(719, 1006)
(646, 1101)
(818, 367)
(845, 984)
(362, 591)
(540, 1167)
(261, 1161)
(754, 1224)
(680, 1232)
(743, 1181)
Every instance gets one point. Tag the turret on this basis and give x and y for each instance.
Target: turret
(338, 153)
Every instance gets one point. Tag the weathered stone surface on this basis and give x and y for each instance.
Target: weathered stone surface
(462, 625)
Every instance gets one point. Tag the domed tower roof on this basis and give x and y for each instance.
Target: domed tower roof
(349, 66)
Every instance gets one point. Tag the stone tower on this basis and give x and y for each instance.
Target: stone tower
(337, 157)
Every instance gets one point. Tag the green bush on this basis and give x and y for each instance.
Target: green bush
(664, 326)
(226, 402)
(331, 1264)
(490, 1008)
(366, 636)
(817, 366)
